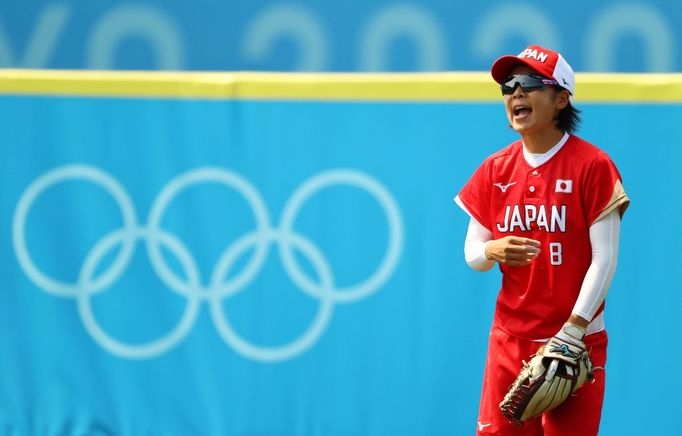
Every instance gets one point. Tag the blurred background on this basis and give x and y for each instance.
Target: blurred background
(285, 259)
(431, 35)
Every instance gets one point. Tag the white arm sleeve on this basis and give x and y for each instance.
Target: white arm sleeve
(474, 246)
(604, 235)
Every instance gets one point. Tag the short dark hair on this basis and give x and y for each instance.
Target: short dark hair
(568, 119)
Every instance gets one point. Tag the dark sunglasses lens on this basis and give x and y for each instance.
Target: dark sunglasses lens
(507, 88)
(526, 82)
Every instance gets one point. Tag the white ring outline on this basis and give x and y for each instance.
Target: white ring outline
(191, 178)
(45, 181)
(155, 347)
(381, 195)
(305, 340)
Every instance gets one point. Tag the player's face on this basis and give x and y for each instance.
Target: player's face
(535, 110)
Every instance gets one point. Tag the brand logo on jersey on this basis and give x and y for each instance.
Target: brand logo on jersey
(503, 188)
(565, 186)
(531, 217)
(532, 53)
(482, 426)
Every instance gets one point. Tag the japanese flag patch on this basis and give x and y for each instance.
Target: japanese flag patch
(564, 186)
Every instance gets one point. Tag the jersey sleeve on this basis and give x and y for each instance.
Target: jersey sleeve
(474, 198)
(604, 190)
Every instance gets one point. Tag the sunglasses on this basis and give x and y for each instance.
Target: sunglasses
(527, 82)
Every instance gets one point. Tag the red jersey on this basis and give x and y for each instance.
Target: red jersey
(554, 203)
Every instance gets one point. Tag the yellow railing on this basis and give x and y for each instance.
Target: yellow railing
(444, 87)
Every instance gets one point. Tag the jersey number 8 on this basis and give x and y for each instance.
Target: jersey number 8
(555, 257)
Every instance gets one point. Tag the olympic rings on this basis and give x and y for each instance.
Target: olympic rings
(218, 288)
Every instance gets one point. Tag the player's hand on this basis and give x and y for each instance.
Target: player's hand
(512, 250)
(567, 345)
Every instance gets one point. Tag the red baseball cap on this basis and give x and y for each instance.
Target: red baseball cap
(547, 63)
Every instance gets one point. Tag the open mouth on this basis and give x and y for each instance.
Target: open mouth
(521, 111)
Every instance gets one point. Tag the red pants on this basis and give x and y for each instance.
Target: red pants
(578, 415)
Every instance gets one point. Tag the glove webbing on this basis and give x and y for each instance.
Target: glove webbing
(513, 403)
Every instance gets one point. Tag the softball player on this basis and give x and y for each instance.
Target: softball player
(547, 210)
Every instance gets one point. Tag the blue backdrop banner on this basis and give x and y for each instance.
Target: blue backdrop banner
(354, 35)
(193, 267)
